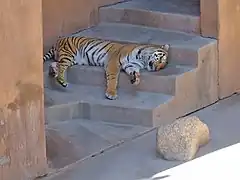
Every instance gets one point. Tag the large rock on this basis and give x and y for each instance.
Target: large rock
(182, 139)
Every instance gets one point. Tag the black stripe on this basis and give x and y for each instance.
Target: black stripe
(139, 52)
(81, 44)
(84, 49)
(133, 62)
(128, 66)
(77, 42)
(104, 54)
(48, 55)
(73, 44)
(64, 57)
(93, 46)
(94, 52)
(128, 59)
(70, 50)
(59, 42)
(89, 62)
(87, 44)
(76, 39)
(99, 50)
(80, 41)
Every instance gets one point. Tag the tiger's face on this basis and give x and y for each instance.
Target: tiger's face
(158, 58)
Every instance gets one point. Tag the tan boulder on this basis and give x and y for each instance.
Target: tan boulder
(182, 139)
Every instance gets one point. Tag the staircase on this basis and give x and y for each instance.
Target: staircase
(188, 83)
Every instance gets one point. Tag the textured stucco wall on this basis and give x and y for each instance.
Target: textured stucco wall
(209, 18)
(22, 139)
(221, 19)
(68, 16)
(229, 47)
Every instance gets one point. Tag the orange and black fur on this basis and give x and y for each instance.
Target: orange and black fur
(113, 56)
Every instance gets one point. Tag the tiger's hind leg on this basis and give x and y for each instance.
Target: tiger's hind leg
(112, 71)
(62, 67)
(53, 72)
(65, 61)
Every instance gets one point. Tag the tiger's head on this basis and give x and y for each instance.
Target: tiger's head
(156, 57)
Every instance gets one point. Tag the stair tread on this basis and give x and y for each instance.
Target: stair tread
(162, 81)
(173, 6)
(170, 70)
(95, 95)
(141, 34)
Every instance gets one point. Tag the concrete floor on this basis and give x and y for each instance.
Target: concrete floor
(136, 159)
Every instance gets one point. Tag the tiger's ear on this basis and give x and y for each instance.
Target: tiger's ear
(166, 47)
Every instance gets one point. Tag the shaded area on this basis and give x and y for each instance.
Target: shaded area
(70, 141)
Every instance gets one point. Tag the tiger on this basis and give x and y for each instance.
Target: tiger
(113, 56)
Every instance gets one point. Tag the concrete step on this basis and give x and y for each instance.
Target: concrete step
(187, 84)
(185, 49)
(89, 102)
(160, 82)
(174, 15)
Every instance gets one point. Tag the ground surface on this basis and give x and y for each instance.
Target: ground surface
(135, 158)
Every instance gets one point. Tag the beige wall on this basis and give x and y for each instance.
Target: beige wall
(22, 135)
(68, 16)
(22, 139)
(221, 19)
(229, 47)
(209, 18)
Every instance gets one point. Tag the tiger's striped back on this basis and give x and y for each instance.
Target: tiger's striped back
(85, 50)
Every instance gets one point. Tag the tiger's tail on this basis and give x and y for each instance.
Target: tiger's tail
(49, 55)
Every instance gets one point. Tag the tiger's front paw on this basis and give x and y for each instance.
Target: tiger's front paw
(111, 95)
(135, 78)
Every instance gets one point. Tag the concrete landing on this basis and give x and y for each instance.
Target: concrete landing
(177, 15)
(136, 159)
(73, 140)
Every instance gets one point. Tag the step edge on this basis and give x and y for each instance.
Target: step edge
(144, 27)
(152, 11)
(100, 102)
(99, 69)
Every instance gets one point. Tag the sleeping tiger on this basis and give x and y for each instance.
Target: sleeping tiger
(113, 56)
